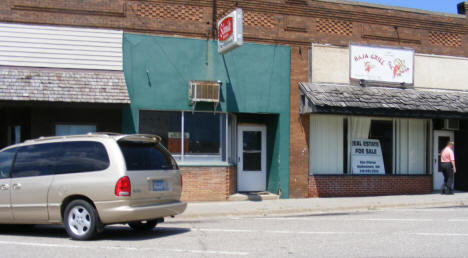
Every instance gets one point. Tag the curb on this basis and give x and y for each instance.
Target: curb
(216, 212)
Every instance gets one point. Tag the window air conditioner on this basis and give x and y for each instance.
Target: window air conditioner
(451, 124)
(204, 91)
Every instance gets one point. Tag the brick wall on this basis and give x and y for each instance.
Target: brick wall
(299, 126)
(232, 180)
(362, 185)
(271, 21)
(208, 183)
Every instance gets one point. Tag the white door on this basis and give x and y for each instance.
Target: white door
(440, 141)
(251, 153)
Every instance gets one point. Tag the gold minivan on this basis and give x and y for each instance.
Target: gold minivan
(89, 181)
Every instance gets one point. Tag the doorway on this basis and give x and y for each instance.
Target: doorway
(440, 141)
(251, 157)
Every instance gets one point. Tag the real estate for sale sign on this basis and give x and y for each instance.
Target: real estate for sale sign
(366, 157)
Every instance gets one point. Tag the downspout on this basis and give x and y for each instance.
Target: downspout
(213, 21)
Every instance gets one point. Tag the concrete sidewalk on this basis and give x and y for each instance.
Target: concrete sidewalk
(202, 210)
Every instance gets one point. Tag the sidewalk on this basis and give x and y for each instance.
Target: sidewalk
(202, 210)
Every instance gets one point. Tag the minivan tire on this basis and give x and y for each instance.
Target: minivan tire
(143, 225)
(81, 220)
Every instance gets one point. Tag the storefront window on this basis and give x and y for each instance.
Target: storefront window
(190, 137)
(389, 145)
(326, 145)
(411, 146)
(382, 130)
(70, 129)
(166, 124)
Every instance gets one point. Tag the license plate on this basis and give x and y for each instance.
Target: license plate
(158, 186)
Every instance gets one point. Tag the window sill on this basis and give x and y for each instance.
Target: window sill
(373, 175)
(205, 164)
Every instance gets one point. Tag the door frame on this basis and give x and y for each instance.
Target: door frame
(435, 157)
(243, 182)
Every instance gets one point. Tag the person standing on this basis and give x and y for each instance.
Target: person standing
(447, 159)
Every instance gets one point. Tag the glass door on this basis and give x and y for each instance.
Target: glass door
(440, 141)
(251, 166)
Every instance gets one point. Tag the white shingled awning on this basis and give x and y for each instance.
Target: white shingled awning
(388, 101)
(63, 85)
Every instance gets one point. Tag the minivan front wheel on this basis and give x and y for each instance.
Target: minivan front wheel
(81, 220)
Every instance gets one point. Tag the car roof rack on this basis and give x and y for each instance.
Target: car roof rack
(138, 137)
(47, 138)
(104, 133)
(116, 136)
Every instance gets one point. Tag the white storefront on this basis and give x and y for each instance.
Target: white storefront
(393, 99)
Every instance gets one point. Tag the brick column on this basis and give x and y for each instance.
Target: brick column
(299, 125)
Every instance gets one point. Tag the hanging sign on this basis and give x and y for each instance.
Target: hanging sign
(230, 31)
(366, 157)
(393, 65)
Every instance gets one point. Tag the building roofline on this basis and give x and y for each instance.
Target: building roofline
(396, 8)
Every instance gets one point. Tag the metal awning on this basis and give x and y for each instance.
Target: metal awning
(382, 101)
(62, 85)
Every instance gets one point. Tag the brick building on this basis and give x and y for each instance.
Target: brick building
(318, 34)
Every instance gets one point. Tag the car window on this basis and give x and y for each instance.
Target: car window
(82, 156)
(146, 156)
(6, 158)
(36, 160)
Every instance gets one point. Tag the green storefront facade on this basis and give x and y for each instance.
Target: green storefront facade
(254, 93)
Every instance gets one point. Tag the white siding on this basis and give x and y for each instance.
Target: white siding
(330, 64)
(60, 47)
(326, 144)
(432, 71)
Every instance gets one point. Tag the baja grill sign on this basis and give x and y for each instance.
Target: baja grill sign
(390, 65)
(230, 31)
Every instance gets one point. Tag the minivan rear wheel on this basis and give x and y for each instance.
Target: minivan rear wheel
(143, 225)
(81, 220)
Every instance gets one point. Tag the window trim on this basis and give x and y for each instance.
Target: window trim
(14, 130)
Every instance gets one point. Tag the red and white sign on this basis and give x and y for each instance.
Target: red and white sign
(225, 29)
(230, 31)
(393, 65)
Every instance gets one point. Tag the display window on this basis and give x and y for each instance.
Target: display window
(368, 145)
(191, 137)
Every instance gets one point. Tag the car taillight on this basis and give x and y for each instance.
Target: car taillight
(123, 187)
(181, 182)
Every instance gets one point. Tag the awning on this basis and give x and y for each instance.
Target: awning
(62, 85)
(382, 101)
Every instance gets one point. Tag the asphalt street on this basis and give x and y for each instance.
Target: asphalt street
(411, 232)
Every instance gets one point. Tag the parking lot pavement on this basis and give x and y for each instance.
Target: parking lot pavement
(389, 232)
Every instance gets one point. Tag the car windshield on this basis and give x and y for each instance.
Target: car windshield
(146, 156)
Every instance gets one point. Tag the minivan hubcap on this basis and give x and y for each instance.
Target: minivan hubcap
(79, 220)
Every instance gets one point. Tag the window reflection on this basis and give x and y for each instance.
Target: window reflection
(203, 134)
(6, 157)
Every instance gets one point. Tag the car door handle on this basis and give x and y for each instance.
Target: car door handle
(4, 187)
(16, 186)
